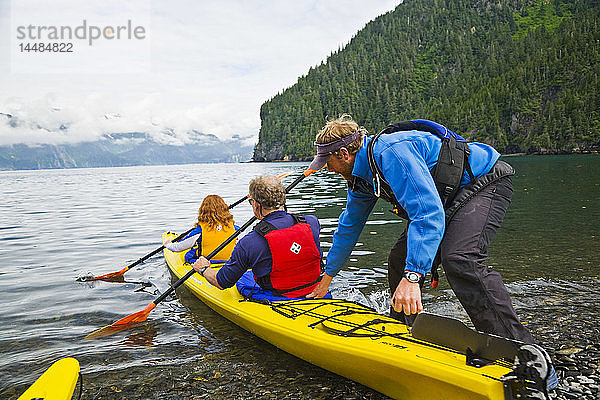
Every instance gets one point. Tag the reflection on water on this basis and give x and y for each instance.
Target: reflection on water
(58, 225)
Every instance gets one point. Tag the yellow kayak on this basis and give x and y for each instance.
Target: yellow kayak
(57, 383)
(356, 342)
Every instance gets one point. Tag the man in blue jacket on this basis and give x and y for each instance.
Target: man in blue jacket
(454, 196)
(456, 221)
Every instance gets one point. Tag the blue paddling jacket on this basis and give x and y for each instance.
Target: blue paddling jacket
(405, 158)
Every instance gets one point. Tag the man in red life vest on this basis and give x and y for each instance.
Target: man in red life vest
(283, 250)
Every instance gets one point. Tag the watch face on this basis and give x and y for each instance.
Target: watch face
(412, 276)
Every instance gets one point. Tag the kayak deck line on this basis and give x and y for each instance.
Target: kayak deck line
(358, 343)
(354, 309)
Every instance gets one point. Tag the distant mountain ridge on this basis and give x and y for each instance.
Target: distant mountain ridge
(121, 149)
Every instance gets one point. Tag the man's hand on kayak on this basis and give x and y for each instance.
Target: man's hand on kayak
(209, 273)
(200, 262)
(322, 288)
(407, 298)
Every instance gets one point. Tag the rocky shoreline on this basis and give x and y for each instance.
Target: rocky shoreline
(570, 332)
(579, 372)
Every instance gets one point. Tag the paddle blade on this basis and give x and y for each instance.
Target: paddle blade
(284, 174)
(309, 171)
(110, 277)
(123, 324)
(107, 331)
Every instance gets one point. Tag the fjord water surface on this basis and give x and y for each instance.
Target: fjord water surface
(58, 225)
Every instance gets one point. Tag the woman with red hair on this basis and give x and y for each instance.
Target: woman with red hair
(213, 227)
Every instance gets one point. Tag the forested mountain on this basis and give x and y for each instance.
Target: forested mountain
(521, 75)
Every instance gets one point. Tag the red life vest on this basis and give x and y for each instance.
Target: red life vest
(296, 266)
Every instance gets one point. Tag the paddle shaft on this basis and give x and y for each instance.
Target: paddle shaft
(239, 201)
(211, 255)
(178, 238)
(222, 245)
(147, 256)
(280, 176)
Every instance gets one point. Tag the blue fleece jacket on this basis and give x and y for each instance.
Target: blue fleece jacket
(405, 158)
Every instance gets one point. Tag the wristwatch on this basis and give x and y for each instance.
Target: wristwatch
(202, 270)
(412, 277)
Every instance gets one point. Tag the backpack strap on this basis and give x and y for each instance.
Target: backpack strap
(298, 219)
(453, 160)
(381, 187)
(264, 227)
(447, 173)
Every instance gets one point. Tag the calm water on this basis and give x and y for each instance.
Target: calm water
(58, 225)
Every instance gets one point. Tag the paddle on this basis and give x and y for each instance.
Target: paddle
(116, 276)
(140, 316)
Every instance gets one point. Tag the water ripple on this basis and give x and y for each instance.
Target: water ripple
(64, 224)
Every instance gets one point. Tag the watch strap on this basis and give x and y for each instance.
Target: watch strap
(412, 276)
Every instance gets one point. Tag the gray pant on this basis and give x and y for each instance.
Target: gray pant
(462, 253)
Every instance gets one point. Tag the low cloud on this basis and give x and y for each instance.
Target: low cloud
(49, 121)
(213, 65)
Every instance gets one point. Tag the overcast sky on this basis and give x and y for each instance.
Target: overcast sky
(204, 65)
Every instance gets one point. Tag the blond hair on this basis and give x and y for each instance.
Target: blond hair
(341, 127)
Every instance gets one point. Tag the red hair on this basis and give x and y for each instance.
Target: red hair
(214, 212)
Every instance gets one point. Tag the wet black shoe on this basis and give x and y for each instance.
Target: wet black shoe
(533, 375)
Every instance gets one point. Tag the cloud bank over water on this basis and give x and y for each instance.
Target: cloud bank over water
(212, 65)
(49, 121)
